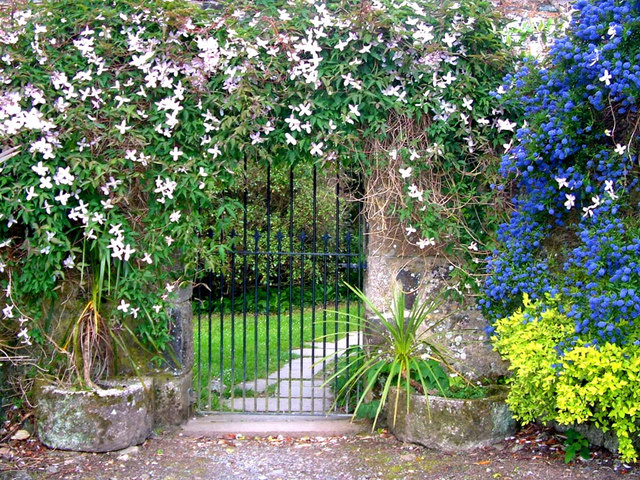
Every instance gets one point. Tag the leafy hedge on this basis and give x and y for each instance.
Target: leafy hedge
(123, 121)
(597, 384)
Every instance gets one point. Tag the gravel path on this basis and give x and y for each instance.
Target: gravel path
(533, 454)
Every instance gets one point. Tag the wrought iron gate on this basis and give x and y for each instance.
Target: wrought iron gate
(271, 320)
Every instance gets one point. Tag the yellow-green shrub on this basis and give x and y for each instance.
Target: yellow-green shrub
(597, 384)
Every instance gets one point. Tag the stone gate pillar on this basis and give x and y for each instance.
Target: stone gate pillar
(172, 388)
(393, 261)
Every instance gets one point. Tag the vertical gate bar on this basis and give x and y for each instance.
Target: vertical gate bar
(233, 319)
(198, 376)
(348, 324)
(325, 247)
(199, 350)
(313, 283)
(268, 272)
(279, 314)
(290, 278)
(244, 290)
(255, 322)
(209, 339)
(361, 250)
(337, 274)
(221, 387)
(302, 242)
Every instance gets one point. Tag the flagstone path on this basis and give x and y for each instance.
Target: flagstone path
(297, 387)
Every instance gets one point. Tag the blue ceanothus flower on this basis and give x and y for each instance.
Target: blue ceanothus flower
(575, 231)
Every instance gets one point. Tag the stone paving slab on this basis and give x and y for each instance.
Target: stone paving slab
(259, 385)
(299, 389)
(302, 389)
(283, 405)
(318, 353)
(289, 425)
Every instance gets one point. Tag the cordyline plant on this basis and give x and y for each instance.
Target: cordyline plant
(131, 119)
(405, 354)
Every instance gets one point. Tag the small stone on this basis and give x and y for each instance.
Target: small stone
(145, 476)
(517, 447)
(408, 457)
(215, 385)
(123, 458)
(53, 469)
(547, 7)
(21, 435)
(130, 450)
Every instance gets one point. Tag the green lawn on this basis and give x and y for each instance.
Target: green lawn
(241, 352)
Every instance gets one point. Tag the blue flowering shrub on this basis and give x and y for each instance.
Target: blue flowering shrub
(574, 235)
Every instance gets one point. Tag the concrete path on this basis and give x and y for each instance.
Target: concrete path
(261, 425)
(297, 387)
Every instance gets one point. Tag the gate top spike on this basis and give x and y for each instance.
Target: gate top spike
(348, 237)
(279, 236)
(303, 236)
(256, 235)
(326, 237)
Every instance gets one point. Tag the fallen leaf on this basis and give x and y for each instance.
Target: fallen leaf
(485, 462)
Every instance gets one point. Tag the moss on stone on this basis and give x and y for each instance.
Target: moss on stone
(452, 424)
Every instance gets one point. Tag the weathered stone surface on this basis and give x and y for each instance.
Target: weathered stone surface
(393, 262)
(462, 333)
(13, 475)
(172, 398)
(596, 436)
(97, 420)
(451, 424)
(183, 294)
(181, 331)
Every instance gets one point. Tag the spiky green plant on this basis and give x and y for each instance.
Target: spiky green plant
(405, 354)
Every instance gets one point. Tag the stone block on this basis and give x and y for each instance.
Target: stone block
(451, 425)
(182, 294)
(595, 435)
(460, 326)
(117, 417)
(471, 352)
(181, 331)
(172, 397)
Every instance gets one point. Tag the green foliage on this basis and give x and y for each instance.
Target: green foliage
(596, 384)
(462, 388)
(575, 444)
(126, 126)
(269, 302)
(243, 348)
(368, 410)
(404, 355)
